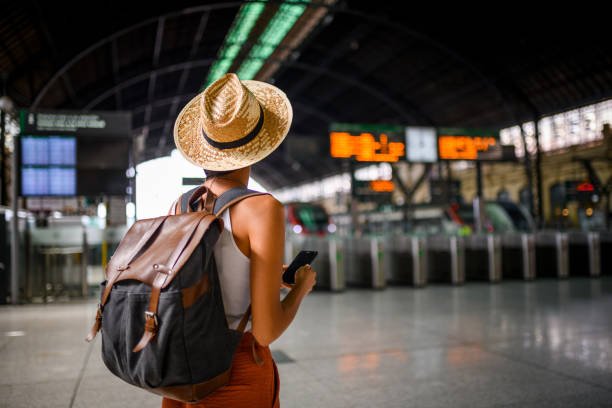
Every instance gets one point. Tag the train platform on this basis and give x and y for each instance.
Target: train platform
(545, 343)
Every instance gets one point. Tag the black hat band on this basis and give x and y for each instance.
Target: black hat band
(238, 142)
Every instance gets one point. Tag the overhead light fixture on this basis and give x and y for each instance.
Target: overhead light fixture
(236, 37)
(278, 27)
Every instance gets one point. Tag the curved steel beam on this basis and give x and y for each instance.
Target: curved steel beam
(375, 92)
(381, 96)
(167, 101)
(371, 90)
(146, 76)
(334, 8)
(441, 47)
(93, 47)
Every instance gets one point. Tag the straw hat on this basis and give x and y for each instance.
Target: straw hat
(232, 124)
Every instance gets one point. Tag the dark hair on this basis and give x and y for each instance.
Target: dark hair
(215, 173)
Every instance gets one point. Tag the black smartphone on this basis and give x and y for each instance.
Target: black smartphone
(301, 259)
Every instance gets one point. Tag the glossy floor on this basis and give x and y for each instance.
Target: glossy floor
(541, 344)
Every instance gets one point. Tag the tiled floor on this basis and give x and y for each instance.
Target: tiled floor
(541, 344)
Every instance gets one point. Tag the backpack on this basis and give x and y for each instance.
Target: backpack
(161, 312)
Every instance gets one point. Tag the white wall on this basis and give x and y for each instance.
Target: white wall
(160, 181)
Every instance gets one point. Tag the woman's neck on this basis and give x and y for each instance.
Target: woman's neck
(237, 178)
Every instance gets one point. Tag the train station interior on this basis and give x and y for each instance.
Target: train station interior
(452, 167)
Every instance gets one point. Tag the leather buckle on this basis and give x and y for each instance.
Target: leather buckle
(151, 315)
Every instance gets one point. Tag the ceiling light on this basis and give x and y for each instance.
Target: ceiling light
(236, 37)
(286, 16)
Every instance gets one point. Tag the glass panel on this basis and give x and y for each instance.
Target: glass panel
(571, 128)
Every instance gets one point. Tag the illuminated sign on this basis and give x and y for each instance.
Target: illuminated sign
(374, 190)
(585, 187)
(365, 147)
(421, 144)
(99, 123)
(382, 185)
(464, 147)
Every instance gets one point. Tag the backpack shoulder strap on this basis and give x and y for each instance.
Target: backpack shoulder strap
(180, 204)
(224, 201)
(232, 196)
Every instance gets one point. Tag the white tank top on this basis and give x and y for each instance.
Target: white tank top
(234, 269)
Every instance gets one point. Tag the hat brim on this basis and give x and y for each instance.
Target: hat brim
(278, 115)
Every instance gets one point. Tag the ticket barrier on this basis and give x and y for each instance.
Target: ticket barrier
(483, 257)
(25, 221)
(552, 254)
(329, 262)
(364, 262)
(605, 252)
(518, 255)
(67, 260)
(584, 257)
(60, 264)
(405, 260)
(446, 259)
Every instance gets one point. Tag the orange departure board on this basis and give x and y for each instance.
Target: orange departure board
(382, 185)
(365, 147)
(464, 147)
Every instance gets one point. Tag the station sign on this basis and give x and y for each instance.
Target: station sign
(72, 153)
(416, 144)
(421, 144)
(581, 191)
(382, 186)
(367, 143)
(374, 190)
(466, 144)
(102, 123)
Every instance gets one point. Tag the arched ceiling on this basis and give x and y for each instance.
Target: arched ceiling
(366, 62)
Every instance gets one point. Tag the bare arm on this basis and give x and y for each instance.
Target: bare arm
(266, 231)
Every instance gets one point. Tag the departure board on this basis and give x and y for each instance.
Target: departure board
(74, 153)
(467, 144)
(367, 143)
(48, 165)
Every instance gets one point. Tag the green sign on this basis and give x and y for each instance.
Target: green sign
(453, 131)
(360, 127)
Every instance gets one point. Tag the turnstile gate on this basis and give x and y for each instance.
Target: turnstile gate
(446, 259)
(518, 256)
(405, 260)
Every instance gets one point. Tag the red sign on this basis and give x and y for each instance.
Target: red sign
(585, 187)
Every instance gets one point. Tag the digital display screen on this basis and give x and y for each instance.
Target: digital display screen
(421, 144)
(464, 147)
(48, 150)
(62, 151)
(48, 165)
(35, 150)
(48, 181)
(366, 147)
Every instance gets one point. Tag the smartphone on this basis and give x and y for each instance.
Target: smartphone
(301, 259)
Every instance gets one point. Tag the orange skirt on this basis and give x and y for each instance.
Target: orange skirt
(250, 385)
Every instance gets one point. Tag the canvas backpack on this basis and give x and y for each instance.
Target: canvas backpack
(161, 312)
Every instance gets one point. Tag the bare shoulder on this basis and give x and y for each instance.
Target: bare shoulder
(261, 208)
(264, 202)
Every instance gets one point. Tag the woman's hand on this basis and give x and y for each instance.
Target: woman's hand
(307, 275)
(305, 279)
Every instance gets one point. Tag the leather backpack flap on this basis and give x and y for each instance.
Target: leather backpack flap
(170, 247)
(131, 244)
